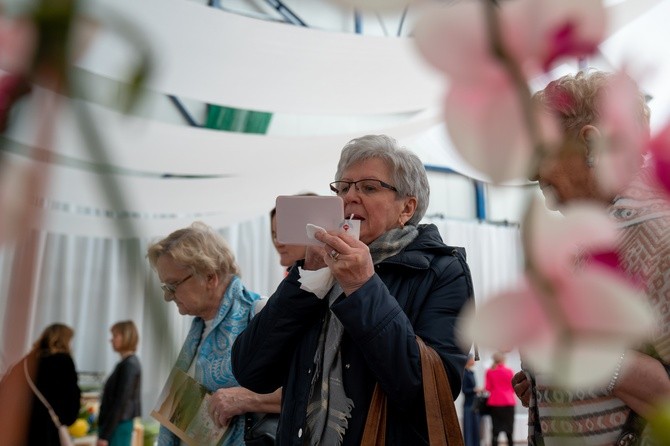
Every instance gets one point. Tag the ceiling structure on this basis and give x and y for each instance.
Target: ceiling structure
(154, 176)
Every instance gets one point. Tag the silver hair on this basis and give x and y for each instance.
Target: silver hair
(407, 171)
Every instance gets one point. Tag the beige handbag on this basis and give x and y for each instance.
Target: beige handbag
(443, 426)
(63, 434)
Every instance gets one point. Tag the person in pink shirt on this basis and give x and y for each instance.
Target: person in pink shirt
(501, 400)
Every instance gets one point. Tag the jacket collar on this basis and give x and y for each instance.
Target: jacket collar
(423, 248)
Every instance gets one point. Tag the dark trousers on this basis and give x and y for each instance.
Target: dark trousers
(502, 420)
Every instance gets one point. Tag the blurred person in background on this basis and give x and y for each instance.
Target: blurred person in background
(288, 254)
(122, 392)
(470, 414)
(501, 399)
(51, 368)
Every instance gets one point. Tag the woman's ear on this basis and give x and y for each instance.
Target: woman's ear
(590, 136)
(212, 280)
(407, 211)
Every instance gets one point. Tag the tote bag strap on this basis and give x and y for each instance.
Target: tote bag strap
(374, 433)
(443, 426)
(441, 417)
(36, 391)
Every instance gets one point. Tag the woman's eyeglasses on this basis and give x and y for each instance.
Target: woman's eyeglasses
(171, 288)
(366, 186)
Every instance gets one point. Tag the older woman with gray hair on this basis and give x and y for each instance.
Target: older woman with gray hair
(396, 281)
(199, 273)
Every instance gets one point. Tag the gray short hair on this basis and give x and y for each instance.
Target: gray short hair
(407, 171)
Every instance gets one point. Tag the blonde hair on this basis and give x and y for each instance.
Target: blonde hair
(575, 98)
(55, 338)
(197, 247)
(129, 335)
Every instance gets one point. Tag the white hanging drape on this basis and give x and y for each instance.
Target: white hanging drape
(90, 283)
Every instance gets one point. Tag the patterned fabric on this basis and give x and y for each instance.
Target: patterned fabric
(644, 215)
(213, 368)
(578, 418)
(329, 407)
(593, 417)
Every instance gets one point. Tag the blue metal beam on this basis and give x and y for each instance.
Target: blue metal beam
(402, 21)
(285, 12)
(480, 190)
(358, 22)
(439, 169)
(480, 200)
(183, 111)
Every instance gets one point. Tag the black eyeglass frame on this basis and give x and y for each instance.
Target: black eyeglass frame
(171, 288)
(350, 183)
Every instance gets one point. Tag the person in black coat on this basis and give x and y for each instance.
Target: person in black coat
(470, 412)
(121, 395)
(396, 281)
(55, 376)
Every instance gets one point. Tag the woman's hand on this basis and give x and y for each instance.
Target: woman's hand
(314, 258)
(348, 259)
(101, 442)
(226, 403)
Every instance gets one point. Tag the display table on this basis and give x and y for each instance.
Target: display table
(88, 440)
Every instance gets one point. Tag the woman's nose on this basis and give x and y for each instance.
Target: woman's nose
(351, 192)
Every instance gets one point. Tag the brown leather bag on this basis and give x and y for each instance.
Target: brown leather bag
(443, 426)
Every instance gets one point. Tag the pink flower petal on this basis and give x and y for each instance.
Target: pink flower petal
(603, 316)
(569, 28)
(17, 44)
(576, 339)
(659, 146)
(609, 259)
(624, 136)
(454, 39)
(574, 363)
(504, 321)
(598, 302)
(486, 127)
(556, 241)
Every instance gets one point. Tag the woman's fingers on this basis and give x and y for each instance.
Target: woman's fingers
(339, 242)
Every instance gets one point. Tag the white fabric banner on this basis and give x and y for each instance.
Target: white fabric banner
(218, 57)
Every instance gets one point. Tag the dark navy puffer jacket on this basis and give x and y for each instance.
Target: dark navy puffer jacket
(420, 291)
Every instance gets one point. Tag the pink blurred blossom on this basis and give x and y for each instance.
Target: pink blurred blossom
(580, 229)
(624, 134)
(553, 31)
(483, 108)
(570, 319)
(17, 43)
(659, 146)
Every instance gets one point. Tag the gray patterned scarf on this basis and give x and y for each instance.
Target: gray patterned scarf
(329, 407)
